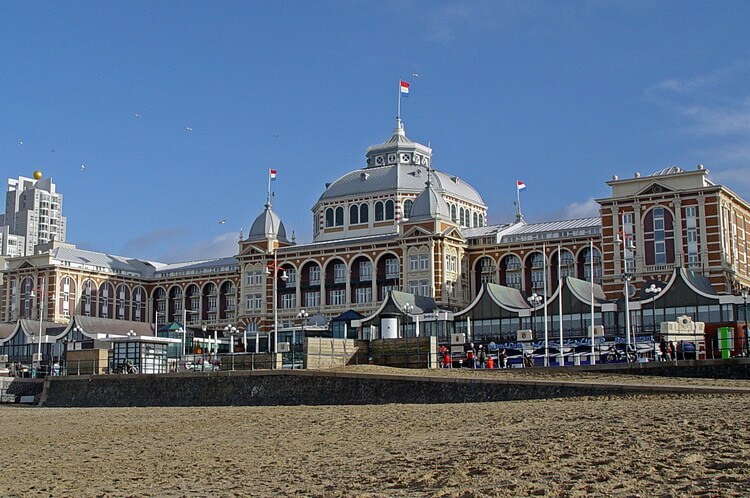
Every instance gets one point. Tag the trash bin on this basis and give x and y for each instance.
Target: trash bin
(577, 360)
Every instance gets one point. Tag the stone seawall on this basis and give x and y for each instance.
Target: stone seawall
(731, 368)
(11, 389)
(268, 388)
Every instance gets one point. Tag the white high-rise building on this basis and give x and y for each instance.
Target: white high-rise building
(33, 215)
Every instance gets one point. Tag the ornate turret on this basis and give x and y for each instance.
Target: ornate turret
(429, 205)
(267, 226)
(398, 150)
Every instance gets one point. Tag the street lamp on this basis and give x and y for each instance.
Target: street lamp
(627, 245)
(230, 331)
(744, 316)
(408, 308)
(534, 300)
(39, 347)
(653, 289)
(303, 316)
(284, 277)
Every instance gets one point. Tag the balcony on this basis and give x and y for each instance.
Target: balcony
(658, 268)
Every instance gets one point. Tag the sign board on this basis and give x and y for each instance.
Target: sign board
(524, 335)
(283, 347)
(458, 339)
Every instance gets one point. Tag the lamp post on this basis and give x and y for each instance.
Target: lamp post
(230, 330)
(744, 316)
(408, 308)
(40, 296)
(185, 311)
(627, 245)
(653, 289)
(534, 301)
(284, 277)
(302, 315)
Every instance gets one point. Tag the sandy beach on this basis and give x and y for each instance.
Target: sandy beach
(674, 445)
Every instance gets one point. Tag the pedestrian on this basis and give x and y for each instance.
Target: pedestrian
(671, 351)
(482, 356)
(663, 349)
(502, 359)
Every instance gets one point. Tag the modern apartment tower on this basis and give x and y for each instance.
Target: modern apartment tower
(33, 215)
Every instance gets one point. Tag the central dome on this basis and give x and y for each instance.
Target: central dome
(375, 199)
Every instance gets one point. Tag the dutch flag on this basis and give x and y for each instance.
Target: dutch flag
(520, 185)
(272, 174)
(404, 88)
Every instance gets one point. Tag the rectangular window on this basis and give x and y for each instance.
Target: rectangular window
(423, 262)
(391, 268)
(339, 273)
(660, 252)
(312, 299)
(365, 271)
(424, 288)
(337, 297)
(254, 277)
(315, 275)
(413, 262)
(253, 302)
(414, 286)
(364, 295)
(288, 301)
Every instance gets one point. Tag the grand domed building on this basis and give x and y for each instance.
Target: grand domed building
(399, 225)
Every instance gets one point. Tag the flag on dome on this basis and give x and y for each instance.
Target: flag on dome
(520, 185)
(272, 174)
(404, 88)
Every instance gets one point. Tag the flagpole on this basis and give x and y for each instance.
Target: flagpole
(268, 192)
(398, 110)
(593, 321)
(546, 299)
(559, 303)
(519, 216)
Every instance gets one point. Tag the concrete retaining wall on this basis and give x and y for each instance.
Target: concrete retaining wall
(288, 387)
(11, 389)
(731, 368)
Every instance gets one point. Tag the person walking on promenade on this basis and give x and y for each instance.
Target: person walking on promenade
(663, 350)
(671, 351)
(482, 357)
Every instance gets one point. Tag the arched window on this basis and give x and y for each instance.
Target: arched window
(353, 214)
(364, 213)
(339, 216)
(408, 203)
(462, 220)
(453, 213)
(329, 217)
(481, 220)
(476, 220)
(658, 228)
(389, 215)
(379, 213)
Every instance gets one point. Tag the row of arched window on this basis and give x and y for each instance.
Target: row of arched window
(465, 217)
(529, 275)
(359, 214)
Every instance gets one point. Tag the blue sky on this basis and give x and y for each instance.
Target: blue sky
(561, 95)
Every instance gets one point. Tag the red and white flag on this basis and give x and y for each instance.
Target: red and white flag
(520, 185)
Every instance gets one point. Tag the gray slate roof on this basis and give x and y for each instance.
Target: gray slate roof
(402, 177)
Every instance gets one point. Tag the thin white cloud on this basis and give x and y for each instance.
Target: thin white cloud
(719, 120)
(585, 209)
(692, 85)
(221, 246)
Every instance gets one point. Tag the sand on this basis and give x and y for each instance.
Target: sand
(675, 445)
